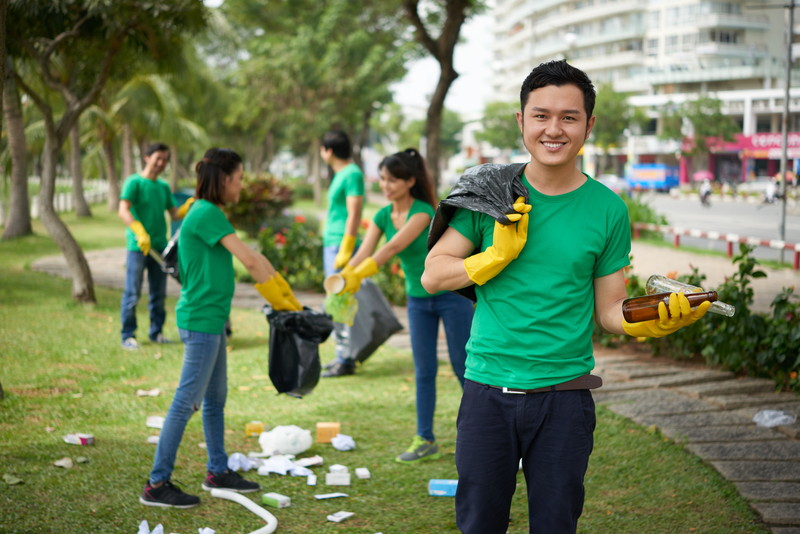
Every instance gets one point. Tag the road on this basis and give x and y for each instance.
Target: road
(741, 218)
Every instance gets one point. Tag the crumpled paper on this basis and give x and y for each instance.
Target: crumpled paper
(770, 418)
(144, 528)
(285, 439)
(239, 462)
(282, 465)
(343, 442)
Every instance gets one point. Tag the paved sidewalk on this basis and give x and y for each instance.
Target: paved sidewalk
(709, 411)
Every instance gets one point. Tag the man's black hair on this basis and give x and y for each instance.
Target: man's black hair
(156, 147)
(559, 73)
(338, 141)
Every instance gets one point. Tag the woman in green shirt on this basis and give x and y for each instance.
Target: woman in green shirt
(207, 245)
(406, 184)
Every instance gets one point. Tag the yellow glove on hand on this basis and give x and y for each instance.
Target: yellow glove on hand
(680, 314)
(278, 293)
(345, 251)
(508, 241)
(142, 237)
(185, 207)
(354, 276)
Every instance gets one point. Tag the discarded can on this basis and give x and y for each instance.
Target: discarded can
(79, 439)
(253, 428)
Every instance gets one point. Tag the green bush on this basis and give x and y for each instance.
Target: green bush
(391, 279)
(640, 211)
(263, 199)
(749, 343)
(294, 246)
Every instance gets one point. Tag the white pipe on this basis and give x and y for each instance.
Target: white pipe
(272, 522)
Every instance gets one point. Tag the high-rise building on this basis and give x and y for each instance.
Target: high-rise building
(664, 53)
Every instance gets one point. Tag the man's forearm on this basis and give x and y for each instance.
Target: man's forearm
(444, 273)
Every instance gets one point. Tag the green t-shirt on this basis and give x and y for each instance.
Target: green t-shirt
(149, 199)
(412, 258)
(533, 322)
(206, 270)
(348, 182)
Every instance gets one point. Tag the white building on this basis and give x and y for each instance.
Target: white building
(665, 52)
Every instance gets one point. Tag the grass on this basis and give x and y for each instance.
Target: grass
(63, 371)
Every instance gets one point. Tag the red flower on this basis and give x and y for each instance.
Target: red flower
(280, 239)
(299, 219)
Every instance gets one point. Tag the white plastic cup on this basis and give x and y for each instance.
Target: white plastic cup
(334, 284)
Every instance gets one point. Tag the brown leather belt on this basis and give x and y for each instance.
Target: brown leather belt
(582, 382)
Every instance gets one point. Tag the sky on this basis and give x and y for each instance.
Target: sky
(471, 90)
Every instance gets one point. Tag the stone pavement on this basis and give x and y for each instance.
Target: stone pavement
(709, 411)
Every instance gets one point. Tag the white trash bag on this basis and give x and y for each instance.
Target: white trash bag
(770, 418)
(288, 439)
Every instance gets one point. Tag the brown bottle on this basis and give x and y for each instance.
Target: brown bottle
(638, 309)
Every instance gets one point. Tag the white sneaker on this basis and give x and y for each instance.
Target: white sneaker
(130, 344)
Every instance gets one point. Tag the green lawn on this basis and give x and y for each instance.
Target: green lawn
(63, 371)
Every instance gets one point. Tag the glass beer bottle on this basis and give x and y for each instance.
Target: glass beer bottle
(661, 284)
(638, 309)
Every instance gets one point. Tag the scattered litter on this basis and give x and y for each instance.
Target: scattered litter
(276, 500)
(253, 428)
(343, 442)
(81, 460)
(272, 522)
(153, 440)
(770, 418)
(362, 473)
(288, 439)
(206, 530)
(338, 517)
(330, 495)
(308, 462)
(12, 480)
(238, 461)
(155, 392)
(144, 528)
(326, 431)
(311, 480)
(440, 487)
(337, 479)
(276, 464)
(155, 421)
(79, 439)
(77, 395)
(338, 468)
(65, 462)
(49, 429)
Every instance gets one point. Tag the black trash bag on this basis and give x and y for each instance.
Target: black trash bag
(491, 188)
(170, 256)
(294, 339)
(374, 322)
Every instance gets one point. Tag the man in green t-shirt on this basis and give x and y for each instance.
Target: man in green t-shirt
(339, 239)
(142, 204)
(540, 281)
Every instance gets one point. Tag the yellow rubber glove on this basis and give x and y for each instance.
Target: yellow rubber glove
(508, 241)
(680, 314)
(142, 237)
(346, 248)
(278, 293)
(185, 207)
(354, 276)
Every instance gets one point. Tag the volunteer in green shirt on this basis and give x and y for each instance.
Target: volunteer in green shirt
(142, 204)
(540, 283)
(339, 238)
(207, 245)
(406, 184)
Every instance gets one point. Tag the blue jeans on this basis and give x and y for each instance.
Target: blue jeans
(341, 332)
(424, 314)
(135, 264)
(551, 432)
(203, 379)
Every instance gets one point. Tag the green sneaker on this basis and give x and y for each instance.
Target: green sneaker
(418, 451)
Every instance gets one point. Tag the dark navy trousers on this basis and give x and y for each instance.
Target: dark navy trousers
(550, 432)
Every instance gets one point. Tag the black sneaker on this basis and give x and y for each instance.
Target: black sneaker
(340, 369)
(167, 495)
(230, 480)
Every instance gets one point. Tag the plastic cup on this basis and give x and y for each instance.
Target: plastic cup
(334, 284)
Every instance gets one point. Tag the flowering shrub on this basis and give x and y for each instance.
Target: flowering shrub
(392, 281)
(262, 199)
(294, 246)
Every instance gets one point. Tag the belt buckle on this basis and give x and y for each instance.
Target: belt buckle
(513, 391)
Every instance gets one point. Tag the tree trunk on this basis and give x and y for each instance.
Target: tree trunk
(111, 173)
(82, 284)
(433, 124)
(175, 165)
(18, 222)
(78, 198)
(128, 166)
